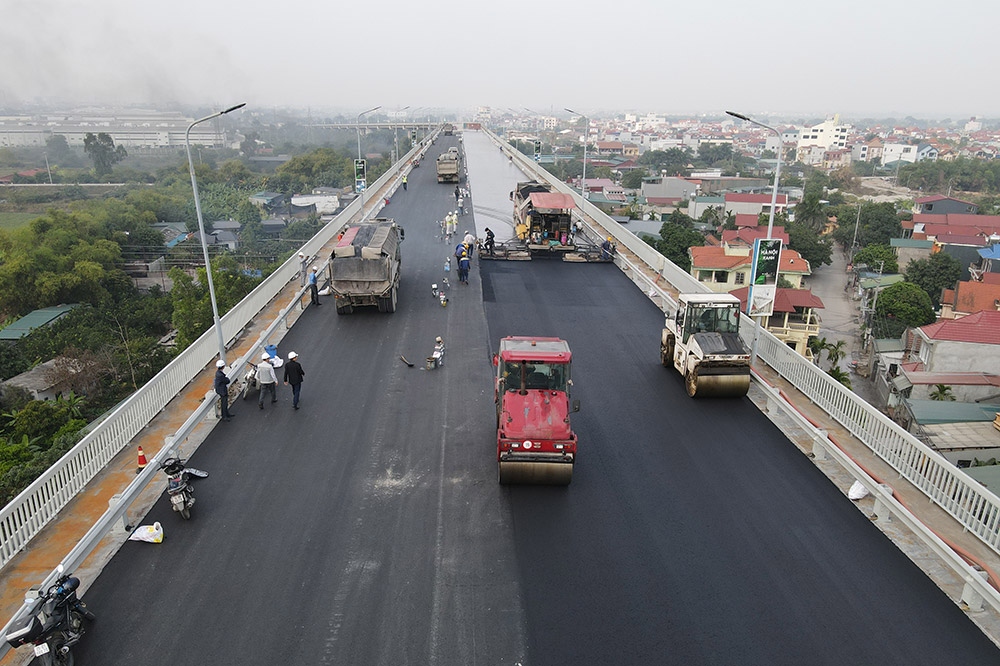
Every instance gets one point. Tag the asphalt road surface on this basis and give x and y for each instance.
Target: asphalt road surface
(368, 527)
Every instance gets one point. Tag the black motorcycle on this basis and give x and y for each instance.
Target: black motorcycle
(56, 623)
(179, 484)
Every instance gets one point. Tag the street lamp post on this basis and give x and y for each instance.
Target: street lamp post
(770, 217)
(357, 126)
(777, 168)
(201, 227)
(586, 136)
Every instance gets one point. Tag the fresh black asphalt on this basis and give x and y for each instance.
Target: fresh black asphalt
(367, 528)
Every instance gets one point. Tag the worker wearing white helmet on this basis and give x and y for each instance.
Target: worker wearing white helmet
(266, 379)
(222, 389)
(313, 287)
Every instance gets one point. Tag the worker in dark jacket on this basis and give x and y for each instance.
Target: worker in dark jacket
(293, 376)
(222, 388)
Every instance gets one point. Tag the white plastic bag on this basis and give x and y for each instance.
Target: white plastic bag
(150, 533)
(857, 491)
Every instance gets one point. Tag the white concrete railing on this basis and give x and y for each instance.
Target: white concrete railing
(39, 503)
(970, 503)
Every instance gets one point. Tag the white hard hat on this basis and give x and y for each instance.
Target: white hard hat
(220, 363)
(301, 255)
(264, 356)
(292, 355)
(314, 268)
(438, 339)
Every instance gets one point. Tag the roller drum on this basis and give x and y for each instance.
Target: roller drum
(717, 386)
(535, 473)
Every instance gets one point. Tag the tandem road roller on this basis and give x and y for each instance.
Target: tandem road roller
(701, 340)
(535, 443)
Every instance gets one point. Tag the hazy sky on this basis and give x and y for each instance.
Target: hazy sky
(920, 58)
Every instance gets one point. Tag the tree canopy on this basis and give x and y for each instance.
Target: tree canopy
(899, 307)
(677, 234)
(938, 272)
(878, 258)
(103, 152)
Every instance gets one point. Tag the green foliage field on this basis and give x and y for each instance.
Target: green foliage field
(15, 220)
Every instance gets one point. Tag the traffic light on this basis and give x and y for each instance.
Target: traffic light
(538, 149)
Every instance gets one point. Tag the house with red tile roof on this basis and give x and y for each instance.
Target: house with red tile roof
(727, 267)
(968, 297)
(794, 320)
(966, 344)
(747, 235)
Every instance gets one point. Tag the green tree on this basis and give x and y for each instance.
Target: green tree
(677, 234)
(938, 272)
(102, 151)
(633, 179)
(878, 258)
(840, 375)
(899, 307)
(817, 346)
(942, 393)
(835, 352)
(815, 249)
(671, 161)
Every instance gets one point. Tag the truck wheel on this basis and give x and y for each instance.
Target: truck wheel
(344, 309)
(390, 305)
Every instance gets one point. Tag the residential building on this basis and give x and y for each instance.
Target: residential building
(828, 135)
(899, 152)
(794, 320)
(727, 267)
(939, 204)
(755, 204)
(969, 296)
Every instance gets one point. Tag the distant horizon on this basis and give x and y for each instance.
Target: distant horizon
(774, 58)
(468, 113)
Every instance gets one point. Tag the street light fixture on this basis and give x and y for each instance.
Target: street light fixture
(201, 227)
(770, 217)
(586, 136)
(357, 126)
(395, 136)
(777, 168)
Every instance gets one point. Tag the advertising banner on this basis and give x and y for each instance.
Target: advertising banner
(360, 176)
(763, 277)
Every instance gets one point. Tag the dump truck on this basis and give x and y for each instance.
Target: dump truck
(535, 443)
(701, 340)
(449, 166)
(365, 266)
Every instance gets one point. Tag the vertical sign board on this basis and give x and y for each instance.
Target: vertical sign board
(360, 181)
(763, 277)
(538, 150)
(413, 136)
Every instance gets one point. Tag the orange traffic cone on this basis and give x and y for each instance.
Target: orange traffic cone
(142, 461)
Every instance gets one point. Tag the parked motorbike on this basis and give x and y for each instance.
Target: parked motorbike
(56, 623)
(179, 484)
(249, 380)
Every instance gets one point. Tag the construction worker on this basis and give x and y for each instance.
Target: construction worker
(490, 241)
(313, 287)
(463, 268)
(404, 182)
(607, 249)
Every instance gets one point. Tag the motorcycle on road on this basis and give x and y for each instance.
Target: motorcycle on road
(56, 624)
(179, 484)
